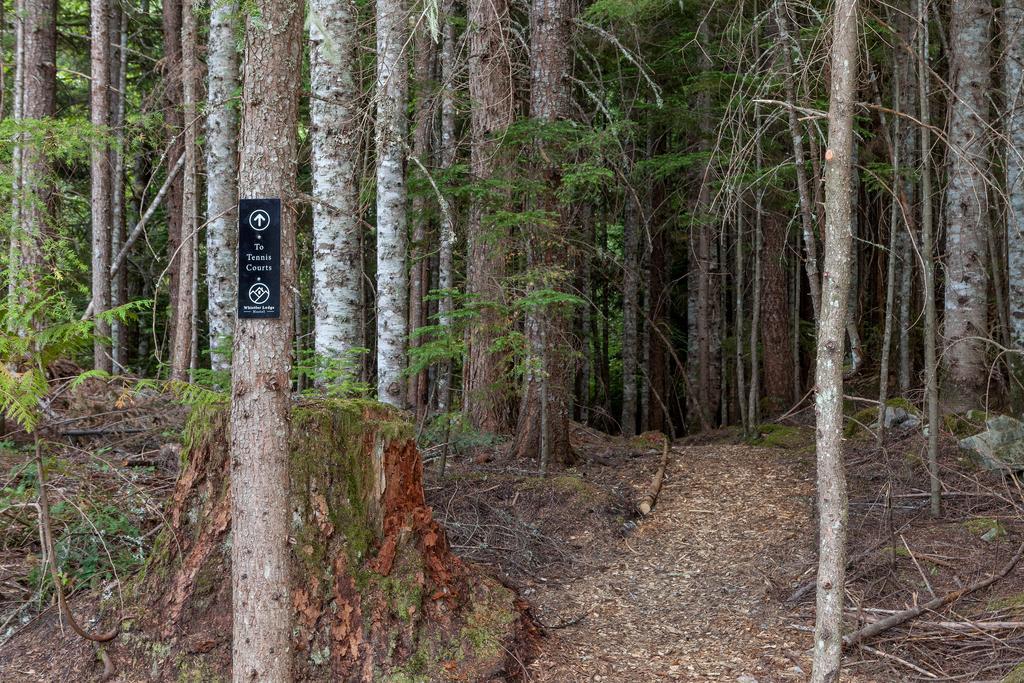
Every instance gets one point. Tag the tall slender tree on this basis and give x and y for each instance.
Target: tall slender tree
(333, 110)
(260, 382)
(221, 179)
(184, 323)
(99, 103)
(965, 322)
(832, 503)
(1013, 84)
(392, 242)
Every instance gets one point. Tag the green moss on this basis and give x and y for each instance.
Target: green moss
(195, 670)
(487, 625)
(900, 402)
(982, 526)
(329, 451)
(860, 421)
(772, 435)
(1016, 674)
(968, 424)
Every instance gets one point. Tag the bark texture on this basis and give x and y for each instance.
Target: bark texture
(1013, 83)
(184, 323)
(36, 69)
(333, 108)
(486, 394)
(832, 503)
(221, 180)
(392, 241)
(542, 431)
(99, 103)
(779, 364)
(966, 296)
(261, 360)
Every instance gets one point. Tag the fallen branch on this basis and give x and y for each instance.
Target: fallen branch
(103, 431)
(648, 501)
(882, 625)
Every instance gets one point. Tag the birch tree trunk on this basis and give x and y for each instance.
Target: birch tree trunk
(543, 426)
(333, 109)
(260, 511)
(832, 503)
(392, 242)
(181, 346)
(99, 102)
(1013, 84)
(486, 396)
(222, 180)
(446, 275)
(966, 300)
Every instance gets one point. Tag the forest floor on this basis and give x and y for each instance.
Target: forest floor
(702, 589)
(699, 590)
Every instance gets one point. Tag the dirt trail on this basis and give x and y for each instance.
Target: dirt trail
(689, 595)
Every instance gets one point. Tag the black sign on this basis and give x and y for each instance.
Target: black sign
(259, 258)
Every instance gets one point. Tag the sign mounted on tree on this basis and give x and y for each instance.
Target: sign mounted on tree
(259, 258)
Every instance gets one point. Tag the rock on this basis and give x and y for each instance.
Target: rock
(1000, 447)
(897, 416)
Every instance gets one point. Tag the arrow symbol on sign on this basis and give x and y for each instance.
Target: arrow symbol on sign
(259, 219)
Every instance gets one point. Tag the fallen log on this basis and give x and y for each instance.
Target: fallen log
(651, 497)
(882, 625)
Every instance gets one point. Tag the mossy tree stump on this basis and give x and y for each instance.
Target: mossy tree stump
(376, 591)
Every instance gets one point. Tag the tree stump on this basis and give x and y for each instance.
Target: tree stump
(376, 591)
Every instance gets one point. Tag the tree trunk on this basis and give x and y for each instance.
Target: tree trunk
(260, 512)
(906, 148)
(832, 504)
(630, 304)
(222, 181)
(424, 68)
(779, 364)
(181, 347)
(392, 243)
(754, 397)
(486, 393)
(1013, 84)
(966, 300)
(37, 70)
(547, 393)
(99, 102)
(446, 257)
(928, 263)
(119, 282)
(173, 125)
(334, 132)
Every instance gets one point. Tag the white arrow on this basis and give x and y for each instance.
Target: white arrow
(259, 219)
